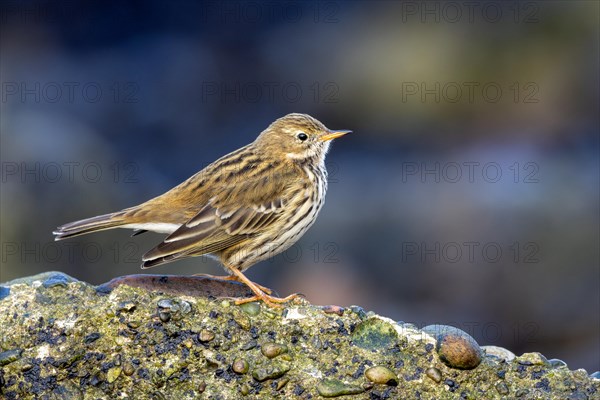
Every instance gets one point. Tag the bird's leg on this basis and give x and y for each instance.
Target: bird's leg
(258, 293)
(234, 278)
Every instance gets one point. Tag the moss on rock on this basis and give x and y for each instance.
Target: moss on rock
(62, 338)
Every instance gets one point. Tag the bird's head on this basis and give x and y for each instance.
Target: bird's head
(298, 137)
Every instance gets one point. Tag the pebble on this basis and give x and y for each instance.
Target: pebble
(168, 305)
(113, 374)
(282, 382)
(240, 366)
(128, 369)
(532, 359)
(252, 309)
(127, 305)
(336, 388)
(374, 334)
(331, 309)
(358, 310)
(206, 335)
(272, 350)
(244, 390)
(6, 357)
(499, 352)
(456, 348)
(4, 292)
(57, 279)
(502, 388)
(273, 371)
(242, 320)
(381, 375)
(556, 363)
(164, 316)
(434, 373)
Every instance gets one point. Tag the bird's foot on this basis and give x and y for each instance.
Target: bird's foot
(270, 301)
(236, 279)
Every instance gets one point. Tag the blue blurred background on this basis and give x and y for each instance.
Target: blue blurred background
(468, 194)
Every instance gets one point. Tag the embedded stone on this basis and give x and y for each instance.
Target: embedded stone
(456, 348)
(382, 375)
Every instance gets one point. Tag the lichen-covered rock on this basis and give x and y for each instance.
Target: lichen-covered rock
(61, 338)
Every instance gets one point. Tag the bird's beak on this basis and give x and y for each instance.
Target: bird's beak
(333, 135)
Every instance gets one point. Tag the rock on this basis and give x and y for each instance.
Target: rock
(498, 352)
(502, 388)
(374, 334)
(113, 374)
(57, 279)
(252, 308)
(456, 348)
(240, 366)
(434, 373)
(336, 388)
(556, 363)
(271, 371)
(272, 350)
(78, 342)
(533, 359)
(206, 335)
(9, 356)
(4, 292)
(381, 375)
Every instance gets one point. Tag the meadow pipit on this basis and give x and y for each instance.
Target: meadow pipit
(245, 207)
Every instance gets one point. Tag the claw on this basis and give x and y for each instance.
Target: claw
(259, 292)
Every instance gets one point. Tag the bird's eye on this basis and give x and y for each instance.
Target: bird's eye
(302, 136)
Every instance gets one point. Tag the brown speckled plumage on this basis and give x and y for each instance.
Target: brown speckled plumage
(247, 206)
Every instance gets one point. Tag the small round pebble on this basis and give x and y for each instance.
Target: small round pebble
(434, 373)
(381, 375)
(206, 335)
(272, 350)
(456, 348)
(128, 369)
(240, 366)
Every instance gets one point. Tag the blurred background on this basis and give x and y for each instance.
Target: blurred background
(468, 194)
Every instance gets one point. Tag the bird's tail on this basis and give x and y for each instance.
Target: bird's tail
(88, 225)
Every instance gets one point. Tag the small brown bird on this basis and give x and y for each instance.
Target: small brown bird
(245, 207)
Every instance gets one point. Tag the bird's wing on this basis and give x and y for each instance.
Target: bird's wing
(235, 213)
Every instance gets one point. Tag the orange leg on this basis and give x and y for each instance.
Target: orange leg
(258, 293)
(235, 278)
